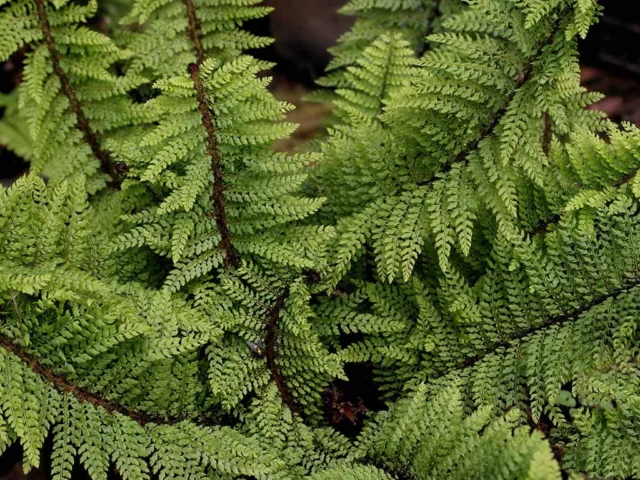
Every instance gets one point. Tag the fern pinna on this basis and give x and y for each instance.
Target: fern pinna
(176, 299)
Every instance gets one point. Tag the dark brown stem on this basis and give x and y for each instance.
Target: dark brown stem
(208, 122)
(271, 344)
(89, 136)
(626, 179)
(553, 321)
(523, 78)
(194, 31)
(63, 386)
(231, 258)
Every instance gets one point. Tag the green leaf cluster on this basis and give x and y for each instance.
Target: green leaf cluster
(178, 301)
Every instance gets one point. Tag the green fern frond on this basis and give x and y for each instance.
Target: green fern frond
(71, 97)
(431, 437)
(221, 192)
(480, 95)
(176, 33)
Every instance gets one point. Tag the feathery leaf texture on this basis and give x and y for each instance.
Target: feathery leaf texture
(71, 97)
(468, 232)
(445, 146)
(177, 33)
(222, 195)
(426, 436)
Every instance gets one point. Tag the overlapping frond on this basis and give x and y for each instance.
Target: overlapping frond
(269, 340)
(539, 277)
(479, 241)
(171, 34)
(553, 312)
(320, 451)
(146, 349)
(108, 336)
(72, 96)
(382, 69)
(470, 144)
(430, 437)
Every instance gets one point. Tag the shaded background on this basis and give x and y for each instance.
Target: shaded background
(304, 29)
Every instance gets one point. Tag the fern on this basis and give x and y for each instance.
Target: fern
(411, 19)
(15, 130)
(468, 233)
(450, 139)
(215, 177)
(432, 438)
(71, 97)
(177, 33)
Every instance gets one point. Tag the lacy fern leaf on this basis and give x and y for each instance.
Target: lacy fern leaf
(464, 246)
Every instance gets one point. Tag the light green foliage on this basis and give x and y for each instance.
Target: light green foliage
(164, 45)
(433, 319)
(471, 144)
(241, 303)
(411, 19)
(348, 472)
(432, 438)
(71, 95)
(261, 189)
(467, 238)
(382, 69)
(97, 437)
(111, 336)
(304, 449)
(123, 340)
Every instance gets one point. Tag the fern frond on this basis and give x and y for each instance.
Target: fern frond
(70, 97)
(431, 437)
(220, 196)
(99, 438)
(480, 94)
(176, 33)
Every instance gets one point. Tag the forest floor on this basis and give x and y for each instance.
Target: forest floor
(622, 102)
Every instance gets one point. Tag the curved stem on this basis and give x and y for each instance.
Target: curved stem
(271, 341)
(553, 321)
(89, 136)
(194, 31)
(63, 386)
(231, 258)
